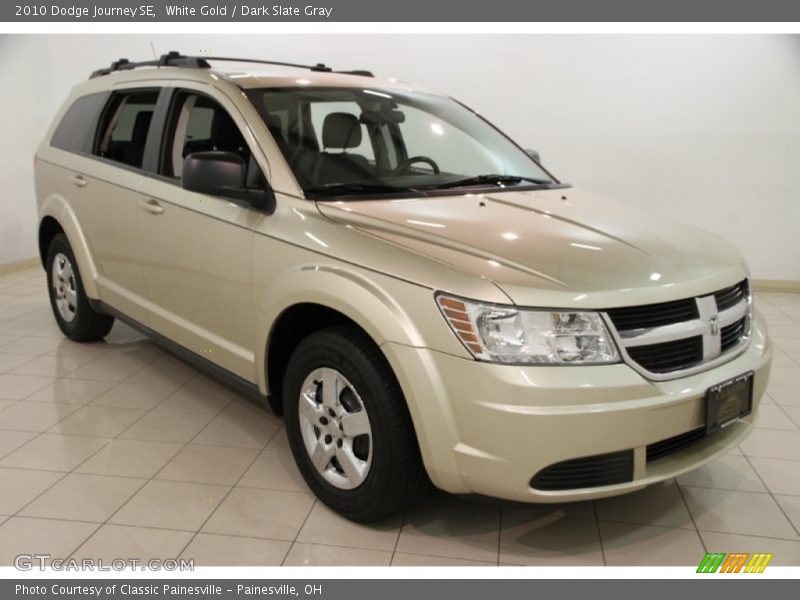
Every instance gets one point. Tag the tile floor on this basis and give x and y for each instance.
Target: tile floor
(117, 449)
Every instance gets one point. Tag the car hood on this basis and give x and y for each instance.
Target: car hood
(564, 246)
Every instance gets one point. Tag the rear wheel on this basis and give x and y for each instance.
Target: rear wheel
(349, 427)
(75, 316)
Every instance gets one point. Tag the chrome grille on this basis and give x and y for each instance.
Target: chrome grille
(677, 338)
(732, 333)
(654, 315)
(731, 296)
(669, 356)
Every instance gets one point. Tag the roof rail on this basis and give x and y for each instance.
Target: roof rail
(176, 59)
(359, 72)
(320, 67)
(170, 59)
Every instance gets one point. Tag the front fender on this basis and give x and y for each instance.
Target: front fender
(362, 300)
(375, 302)
(56, 207)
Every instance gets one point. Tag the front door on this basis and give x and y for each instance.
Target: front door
(197, 249)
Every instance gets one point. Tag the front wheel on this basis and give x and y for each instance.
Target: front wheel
(74, 315)
(349, 427)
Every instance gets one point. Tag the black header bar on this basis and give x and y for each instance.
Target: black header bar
(546, 11)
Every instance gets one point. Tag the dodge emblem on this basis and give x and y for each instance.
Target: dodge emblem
(713, 326)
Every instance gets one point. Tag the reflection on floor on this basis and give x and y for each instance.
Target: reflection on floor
(117, 449)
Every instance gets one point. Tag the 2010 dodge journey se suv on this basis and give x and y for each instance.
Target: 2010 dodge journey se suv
(415, 293)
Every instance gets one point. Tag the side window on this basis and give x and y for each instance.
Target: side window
(78, 123)
(198, 123)
(338, 128)
(124, 126)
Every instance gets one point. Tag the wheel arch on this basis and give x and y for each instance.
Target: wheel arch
(56, 216)
(373, 305)
(48, 229)
(291, 327)
(326, 296)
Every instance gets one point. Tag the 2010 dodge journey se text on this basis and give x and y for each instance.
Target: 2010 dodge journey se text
(417, 295)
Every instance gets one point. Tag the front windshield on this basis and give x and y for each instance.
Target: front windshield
(350, 142)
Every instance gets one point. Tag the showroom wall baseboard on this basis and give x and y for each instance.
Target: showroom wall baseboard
(19, 265)
(776, 285)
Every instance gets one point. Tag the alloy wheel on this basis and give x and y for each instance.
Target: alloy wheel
(335, 427)
(64, 288)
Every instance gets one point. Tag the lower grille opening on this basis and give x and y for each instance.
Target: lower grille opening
(590, 471)
(674, 444)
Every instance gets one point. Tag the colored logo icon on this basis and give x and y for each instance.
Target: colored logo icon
(735, 562)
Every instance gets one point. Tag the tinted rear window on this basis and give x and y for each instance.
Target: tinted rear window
(78, 123)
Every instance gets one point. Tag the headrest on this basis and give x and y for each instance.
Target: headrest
(141, 125)
(225, 135)
(341, 130)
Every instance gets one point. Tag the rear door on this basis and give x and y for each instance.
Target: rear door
(106, 197)
(197, 249)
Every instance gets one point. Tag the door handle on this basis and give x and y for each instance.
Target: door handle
(78, 180)
(151, 206)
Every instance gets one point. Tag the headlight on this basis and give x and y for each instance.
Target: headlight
(507, 334)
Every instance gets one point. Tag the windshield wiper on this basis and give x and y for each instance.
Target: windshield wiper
(489, 179)
(342, 189)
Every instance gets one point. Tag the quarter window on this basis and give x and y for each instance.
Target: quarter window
(77, 124)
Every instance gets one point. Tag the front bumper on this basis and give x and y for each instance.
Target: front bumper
(488, 428)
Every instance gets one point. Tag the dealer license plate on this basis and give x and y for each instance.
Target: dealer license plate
(729, 401)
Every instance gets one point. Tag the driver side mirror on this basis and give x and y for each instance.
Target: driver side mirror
(534, 154)
(218, 173)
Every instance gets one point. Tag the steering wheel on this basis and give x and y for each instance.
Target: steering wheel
(403, 166)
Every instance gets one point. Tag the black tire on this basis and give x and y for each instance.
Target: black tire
(87, 325)
(396, 477)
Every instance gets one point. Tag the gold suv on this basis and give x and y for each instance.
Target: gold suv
(417, 294)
